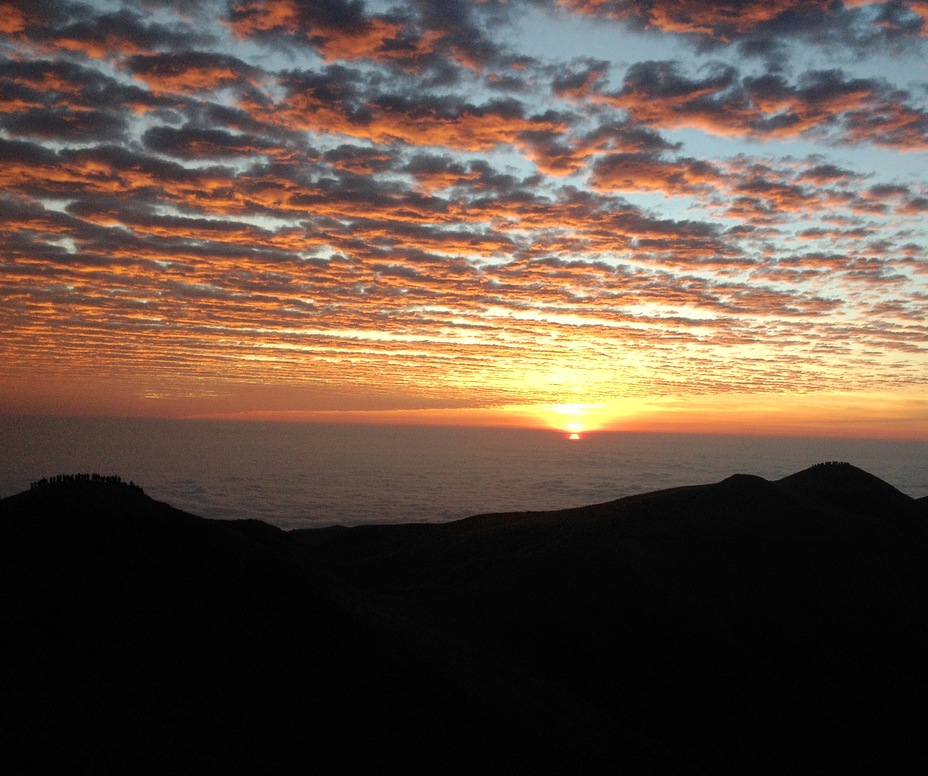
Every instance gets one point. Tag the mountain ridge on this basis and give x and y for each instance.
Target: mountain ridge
(744, 625)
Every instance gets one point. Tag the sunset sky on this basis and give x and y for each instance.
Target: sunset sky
(668, 215)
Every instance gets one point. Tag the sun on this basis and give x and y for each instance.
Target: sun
(574, 437)
(575, 419)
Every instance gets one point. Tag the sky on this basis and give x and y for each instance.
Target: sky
(667, 215)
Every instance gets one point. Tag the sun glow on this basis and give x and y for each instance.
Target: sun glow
(574, 418)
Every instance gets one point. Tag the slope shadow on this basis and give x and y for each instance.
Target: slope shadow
(745, 626)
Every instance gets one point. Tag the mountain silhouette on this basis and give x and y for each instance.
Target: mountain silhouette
(741, 626)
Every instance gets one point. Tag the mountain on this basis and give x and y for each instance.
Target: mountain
(742, 626)
(142, 639)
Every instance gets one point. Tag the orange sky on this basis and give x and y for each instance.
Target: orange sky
(468, 213)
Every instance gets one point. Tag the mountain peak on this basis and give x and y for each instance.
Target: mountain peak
(78, 495)
(844, 485)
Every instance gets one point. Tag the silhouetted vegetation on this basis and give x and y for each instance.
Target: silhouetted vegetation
(71, 479)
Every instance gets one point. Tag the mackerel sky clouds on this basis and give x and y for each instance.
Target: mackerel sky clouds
(668, 213)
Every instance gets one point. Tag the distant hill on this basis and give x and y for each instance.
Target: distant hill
(745, 626)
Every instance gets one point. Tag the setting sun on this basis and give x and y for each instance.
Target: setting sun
(574, 418)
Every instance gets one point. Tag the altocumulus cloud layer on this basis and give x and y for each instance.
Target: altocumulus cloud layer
(304, 204)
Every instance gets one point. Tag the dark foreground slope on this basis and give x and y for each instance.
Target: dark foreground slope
(742, 627)
(141, 639)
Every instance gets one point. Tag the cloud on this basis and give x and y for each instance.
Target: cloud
(717, 21)
(81, 28)
(68, 88)
(636, 172)
(124, 32)
(65, 124)
(409, 198)
(340, 100)
(338, 29)
(825, 103)
(760, 28)
(198, 143)
(194, 71)
(562, 153)
(419, 36)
